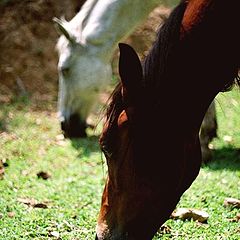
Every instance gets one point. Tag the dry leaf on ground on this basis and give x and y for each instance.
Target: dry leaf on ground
(32, 203)
(11, 214)
(233, 202)
(235, 219)
(27, 201)
(40, 205)
(164, 229)
(54, 234)
(188, 213)
(43, 175)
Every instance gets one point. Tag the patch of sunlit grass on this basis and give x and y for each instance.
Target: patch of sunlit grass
(69, 199)
(31, 142)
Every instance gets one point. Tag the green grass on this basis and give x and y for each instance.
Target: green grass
(30, 143)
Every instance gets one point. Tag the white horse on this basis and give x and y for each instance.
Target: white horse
(85, 52)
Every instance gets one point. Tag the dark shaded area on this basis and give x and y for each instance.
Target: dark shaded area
(225, 158)
(3, 125)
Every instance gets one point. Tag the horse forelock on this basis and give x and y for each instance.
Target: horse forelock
(113, 109)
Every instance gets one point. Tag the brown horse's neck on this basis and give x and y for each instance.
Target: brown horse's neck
(207, 61)
(193, 13)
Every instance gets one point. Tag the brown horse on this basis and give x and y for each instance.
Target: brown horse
(151, 135)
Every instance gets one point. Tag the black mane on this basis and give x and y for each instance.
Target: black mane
(154, 66)
(158, 60)
(165, 55)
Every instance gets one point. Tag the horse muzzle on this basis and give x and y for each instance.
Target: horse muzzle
(74, 127)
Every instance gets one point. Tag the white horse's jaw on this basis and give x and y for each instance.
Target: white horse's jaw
(82, 75)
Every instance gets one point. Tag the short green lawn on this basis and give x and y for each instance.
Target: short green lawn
(65, 206)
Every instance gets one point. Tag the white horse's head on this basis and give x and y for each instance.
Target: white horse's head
(85, 52)
(82, 74)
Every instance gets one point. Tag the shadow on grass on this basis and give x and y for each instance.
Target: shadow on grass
(3, 125)
(225, 158)
(86, 146)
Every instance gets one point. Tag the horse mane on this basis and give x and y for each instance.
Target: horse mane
(158, 60)
(158, 63)
(154, 66)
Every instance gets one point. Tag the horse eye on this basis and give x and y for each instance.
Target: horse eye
(106, 151)
(65, 71)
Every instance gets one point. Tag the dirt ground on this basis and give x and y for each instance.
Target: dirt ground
(28, 60)
(28, 37)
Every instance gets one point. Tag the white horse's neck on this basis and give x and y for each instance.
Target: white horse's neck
(101, 24)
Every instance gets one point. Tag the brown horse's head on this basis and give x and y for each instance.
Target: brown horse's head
(137, 195)
(150, 137)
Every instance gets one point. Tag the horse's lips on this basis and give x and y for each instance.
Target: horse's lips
(74, 127)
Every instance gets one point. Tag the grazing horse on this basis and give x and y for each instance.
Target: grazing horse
(195, 56)
(85, 52)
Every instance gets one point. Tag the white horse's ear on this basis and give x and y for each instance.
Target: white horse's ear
(61, 27)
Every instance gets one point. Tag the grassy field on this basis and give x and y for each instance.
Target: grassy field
(65, 206)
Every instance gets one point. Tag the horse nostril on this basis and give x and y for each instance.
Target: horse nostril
(74, 127)
(63, 125)
(96, 238)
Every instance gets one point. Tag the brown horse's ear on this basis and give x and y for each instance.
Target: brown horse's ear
(130, 71)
